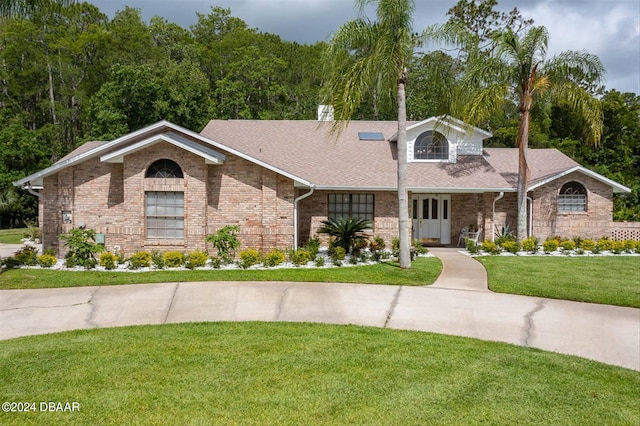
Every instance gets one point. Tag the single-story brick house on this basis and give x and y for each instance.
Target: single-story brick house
(165, 187)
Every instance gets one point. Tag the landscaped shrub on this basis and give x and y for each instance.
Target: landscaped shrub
(313, 246)
(216, 262)
(26, 256)
(617, 247)
(226, 242)
(490, 247)
(604, 243)
(358, 246)
(346, 231)
(530, 245)
(47, 260)
(510, 246)
(157, 259)
(248, 258)
(82, 247)
(300, 257)
(568, 245)
(587, 244)
(274, 258)
(319, 262)
(173, 259)
(419, 248)
(140, 259)
(377, 244)
(196, 259)
(550, 246)
(108, 260)
(338, 254)
(629, 246)
(472, 247)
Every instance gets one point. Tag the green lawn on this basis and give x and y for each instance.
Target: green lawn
(286, 373)
(424, 271)
(12, 236)
(611, 280)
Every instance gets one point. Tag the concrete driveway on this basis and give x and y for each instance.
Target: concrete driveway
(603, 333)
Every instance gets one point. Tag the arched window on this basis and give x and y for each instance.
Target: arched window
(572, 198)
(431, 145)
(164, 169)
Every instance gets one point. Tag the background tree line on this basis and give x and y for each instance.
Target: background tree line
(68, 74)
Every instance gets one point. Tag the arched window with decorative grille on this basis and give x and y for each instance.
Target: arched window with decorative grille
(431, 145)
(572, 198)
(164, 169)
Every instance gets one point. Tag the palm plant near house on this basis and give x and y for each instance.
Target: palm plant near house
(348, 232)
(517, 68)
(383, 50)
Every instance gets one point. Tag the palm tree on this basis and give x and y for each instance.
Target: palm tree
(517, 68)
(383, 50)
(346, 231)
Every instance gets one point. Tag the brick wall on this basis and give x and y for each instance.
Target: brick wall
(110, 198)
(593, 223)
(625, 231)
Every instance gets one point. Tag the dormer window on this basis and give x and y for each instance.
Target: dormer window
(164, 169)
(431, 145)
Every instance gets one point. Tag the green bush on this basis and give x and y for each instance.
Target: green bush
(274, 258)
(472, 247)
(377, 244)
(338, 254)
(300, 257)
(27, 256)
(82, 247)
(629, 246)
(313, 246)
(319, 262)
(157, 259)
(216, 262)
(249, 257)
(568, 245)
(617, 247)
(108, 260)
(604, 243)
(511, 246)
(173, 258)
(347, 231)
(47, 260)
(587, 244)
(490, 247)
(140, 259)
(196, 259)
(550, 245)
(226, 242)
(530, 245)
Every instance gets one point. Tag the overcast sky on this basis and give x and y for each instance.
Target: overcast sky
(607, 28)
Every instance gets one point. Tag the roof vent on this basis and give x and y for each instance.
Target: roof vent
(325, 113)
(370, 136)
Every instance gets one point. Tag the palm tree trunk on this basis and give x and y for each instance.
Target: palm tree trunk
(403, 193)
(523, 169)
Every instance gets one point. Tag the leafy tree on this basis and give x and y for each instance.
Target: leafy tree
(383, 51)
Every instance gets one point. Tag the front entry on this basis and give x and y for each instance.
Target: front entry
(431, 218)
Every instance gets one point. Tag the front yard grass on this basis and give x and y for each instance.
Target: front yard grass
(611, 280)
(424, 271)
(12, 236)
(288, 373)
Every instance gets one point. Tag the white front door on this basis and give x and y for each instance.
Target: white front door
(431, 217)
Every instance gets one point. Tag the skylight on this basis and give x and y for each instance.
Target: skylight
(370, 136)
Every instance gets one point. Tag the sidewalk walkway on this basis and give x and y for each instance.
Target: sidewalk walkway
(459, 272)
(604, 333)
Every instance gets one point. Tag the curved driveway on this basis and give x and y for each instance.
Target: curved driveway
(457, 304)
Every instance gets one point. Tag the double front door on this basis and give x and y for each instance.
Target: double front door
(431, 217)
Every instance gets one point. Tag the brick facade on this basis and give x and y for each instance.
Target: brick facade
(593, 223)
(110, 199)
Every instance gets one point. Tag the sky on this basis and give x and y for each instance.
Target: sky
(609, 29)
